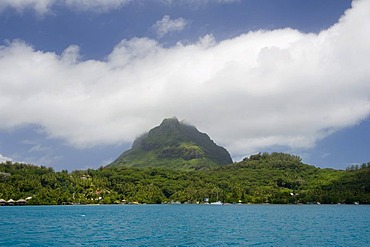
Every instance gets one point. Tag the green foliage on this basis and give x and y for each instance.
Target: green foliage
(262, 178)
(174, 145)
(186, 151)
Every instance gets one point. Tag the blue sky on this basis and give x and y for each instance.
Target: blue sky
(79, 80)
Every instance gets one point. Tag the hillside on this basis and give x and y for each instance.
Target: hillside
(174, 145)
(262, 178)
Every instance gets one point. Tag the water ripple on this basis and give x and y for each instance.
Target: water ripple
(185, 225)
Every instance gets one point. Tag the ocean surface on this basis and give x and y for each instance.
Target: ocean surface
(185, 225)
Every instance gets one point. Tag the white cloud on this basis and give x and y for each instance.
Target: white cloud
(4, 159)
(257, 90)
(167, 25)
(40, 6)
(43, 6)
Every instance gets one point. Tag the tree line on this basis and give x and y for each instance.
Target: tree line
(262, 178)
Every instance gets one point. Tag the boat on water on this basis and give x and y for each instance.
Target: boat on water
(216, 203)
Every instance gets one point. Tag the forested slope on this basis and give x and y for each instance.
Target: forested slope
(174, 145)
(261, 178)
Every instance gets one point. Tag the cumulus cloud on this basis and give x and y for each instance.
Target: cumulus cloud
(260, 89)
(43, 6)
(4, 159)
(167, 25)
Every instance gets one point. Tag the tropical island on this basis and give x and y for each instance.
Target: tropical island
(175, 163)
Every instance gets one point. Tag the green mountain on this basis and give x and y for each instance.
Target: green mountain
(174, 144)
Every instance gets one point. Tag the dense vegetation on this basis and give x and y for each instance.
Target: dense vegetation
(261, 178)
(175, 145)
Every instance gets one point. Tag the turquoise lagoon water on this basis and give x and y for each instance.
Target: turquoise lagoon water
(186, 225)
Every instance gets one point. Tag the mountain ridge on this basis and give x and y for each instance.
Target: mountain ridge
(174, 144)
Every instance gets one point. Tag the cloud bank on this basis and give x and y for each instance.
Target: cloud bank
(257, 90)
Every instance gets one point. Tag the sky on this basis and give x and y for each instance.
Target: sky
(80, 80)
